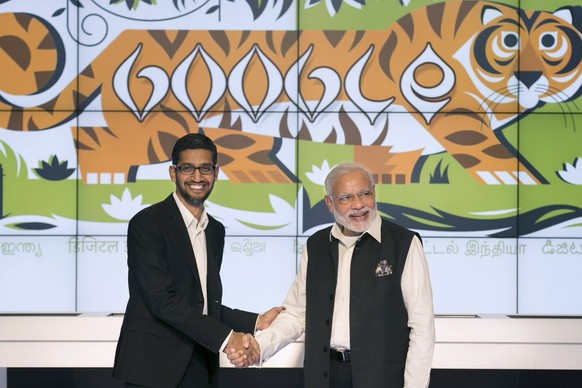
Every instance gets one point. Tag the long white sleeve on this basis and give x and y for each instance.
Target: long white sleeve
(417, 293)
(290, 323)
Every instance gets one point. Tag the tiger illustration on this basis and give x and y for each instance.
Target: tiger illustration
(444, 78)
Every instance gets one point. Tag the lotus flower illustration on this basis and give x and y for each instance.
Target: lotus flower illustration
(572, 173)
(124, 208)
(317, 174)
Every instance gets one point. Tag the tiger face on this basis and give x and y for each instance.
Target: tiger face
(557, 46)
(522, 59)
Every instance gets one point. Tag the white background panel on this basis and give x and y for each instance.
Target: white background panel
(257, 272)
(472, 275)
(37, 274)
(550, 276)
(102, 274)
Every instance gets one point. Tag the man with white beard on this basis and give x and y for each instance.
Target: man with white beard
(362, 296)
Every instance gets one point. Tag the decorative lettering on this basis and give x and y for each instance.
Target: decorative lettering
(562, 248)
(248, 247)
(90, 244)
(20, 248)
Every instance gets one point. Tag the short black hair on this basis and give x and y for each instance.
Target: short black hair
(194, 141)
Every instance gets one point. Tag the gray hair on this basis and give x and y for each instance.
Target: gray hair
(343, 169)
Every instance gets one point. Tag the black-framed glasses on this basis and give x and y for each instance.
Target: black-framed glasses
(188, 169)
(364, 195)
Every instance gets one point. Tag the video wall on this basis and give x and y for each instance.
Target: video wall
(468, 114)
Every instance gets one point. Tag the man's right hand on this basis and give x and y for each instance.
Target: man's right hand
(242, 350)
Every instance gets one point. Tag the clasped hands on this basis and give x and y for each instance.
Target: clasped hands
(242, 349)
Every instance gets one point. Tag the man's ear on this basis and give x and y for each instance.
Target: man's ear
(172, 172)
(329, 203)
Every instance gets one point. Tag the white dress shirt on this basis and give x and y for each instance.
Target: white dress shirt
(417, 294)
(198, 240)
(340, 323)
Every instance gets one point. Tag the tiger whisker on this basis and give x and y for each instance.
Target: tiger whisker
(557, 92)
(491, 107)
(562, 105)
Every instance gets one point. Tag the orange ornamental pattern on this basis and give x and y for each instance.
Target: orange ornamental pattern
(442, 78)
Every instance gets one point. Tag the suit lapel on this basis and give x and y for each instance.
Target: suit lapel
(181, 238)
(213, 285)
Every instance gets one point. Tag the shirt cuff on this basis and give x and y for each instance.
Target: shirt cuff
(256, 323)
(223, 346)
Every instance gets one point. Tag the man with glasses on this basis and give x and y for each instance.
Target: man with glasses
(362, 296)
(175, 324)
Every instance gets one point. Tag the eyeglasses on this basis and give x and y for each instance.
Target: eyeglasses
(364, 195)
(188, 169)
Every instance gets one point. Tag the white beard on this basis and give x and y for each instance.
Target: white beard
(356, 226)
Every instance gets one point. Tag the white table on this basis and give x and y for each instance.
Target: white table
(462, 342)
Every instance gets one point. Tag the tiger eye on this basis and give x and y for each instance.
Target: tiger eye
(510, 40)
(548, 40)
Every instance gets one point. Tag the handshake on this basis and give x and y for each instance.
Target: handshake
(242, 349)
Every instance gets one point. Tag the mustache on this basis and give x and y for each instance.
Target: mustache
(201, 181)
(360, 212)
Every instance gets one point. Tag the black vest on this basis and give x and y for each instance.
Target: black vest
(378, 318)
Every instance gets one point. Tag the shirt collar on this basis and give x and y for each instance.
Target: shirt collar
(374, 230)
(188, 217)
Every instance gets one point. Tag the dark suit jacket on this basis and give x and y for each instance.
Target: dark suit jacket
(163, 323)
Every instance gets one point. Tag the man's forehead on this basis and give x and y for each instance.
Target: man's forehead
(198, 153)
(355, 180)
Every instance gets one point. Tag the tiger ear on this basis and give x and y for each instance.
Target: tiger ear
(489, 13)
(565, 14)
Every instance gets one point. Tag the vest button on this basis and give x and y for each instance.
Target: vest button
(325, 375)
(327, 322)
(325, 348)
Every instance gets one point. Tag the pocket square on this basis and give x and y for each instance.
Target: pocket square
(383, 269)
